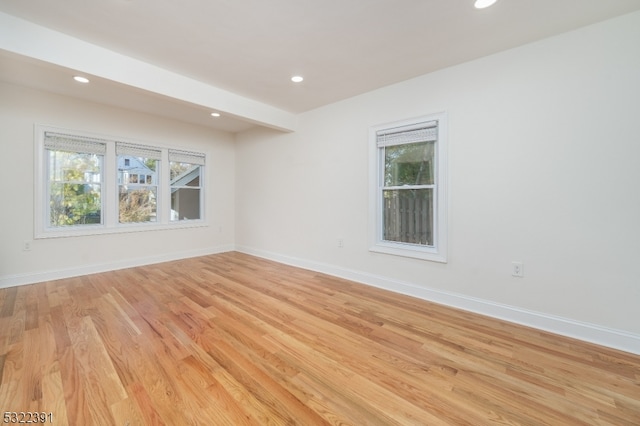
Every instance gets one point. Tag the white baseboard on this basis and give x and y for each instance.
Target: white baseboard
(31, 278)
(593, 333)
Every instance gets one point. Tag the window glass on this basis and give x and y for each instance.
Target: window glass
(407, 193)
(138, 196)
(75, 188)
(185, 190)
(409, 164)
(408, 216)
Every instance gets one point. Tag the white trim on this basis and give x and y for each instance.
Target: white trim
(38, 277)
(121, 228)
(588, 332)
(406, 250)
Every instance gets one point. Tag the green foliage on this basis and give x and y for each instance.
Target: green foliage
(151, 163)
(74, 196)
(409, 164)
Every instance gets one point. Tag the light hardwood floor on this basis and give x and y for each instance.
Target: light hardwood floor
(232, 339)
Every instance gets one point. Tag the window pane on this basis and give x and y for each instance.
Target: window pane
(74, 204)
(137, 204)
(137, 170)
(183, 173)
(185, 203)
(185, 191)
(195, 181)
(74, 167)
(408, 216)
(409, 164)
(74, 188)
(138, 190)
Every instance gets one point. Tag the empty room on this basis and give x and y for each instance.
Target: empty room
(362, 212)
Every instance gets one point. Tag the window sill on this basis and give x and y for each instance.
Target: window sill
(90, 230)
(407, 250)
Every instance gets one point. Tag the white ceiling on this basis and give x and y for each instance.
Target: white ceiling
(245, 51)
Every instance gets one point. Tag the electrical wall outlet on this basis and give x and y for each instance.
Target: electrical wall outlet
(517, 269)
(340, 243)
(26, 246)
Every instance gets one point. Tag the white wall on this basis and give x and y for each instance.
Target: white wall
(544, 149)
(20, 109)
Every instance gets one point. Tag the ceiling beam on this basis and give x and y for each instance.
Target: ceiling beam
(37, 42)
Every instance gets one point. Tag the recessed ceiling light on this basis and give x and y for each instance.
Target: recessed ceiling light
(297, 79)
(481, 4)
(215, 114)
(81, 79)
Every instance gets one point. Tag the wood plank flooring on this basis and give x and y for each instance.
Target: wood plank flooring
(231, 339)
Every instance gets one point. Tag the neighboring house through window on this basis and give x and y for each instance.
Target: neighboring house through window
(137, 182)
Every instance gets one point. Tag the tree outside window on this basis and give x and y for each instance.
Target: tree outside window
(75, 188)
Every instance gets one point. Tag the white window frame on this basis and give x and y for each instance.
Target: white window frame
(110, 197)
(437, 252)
(123, 148)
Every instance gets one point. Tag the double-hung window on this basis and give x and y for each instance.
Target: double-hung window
(409, 215)
(92, 184)
(74, 190)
